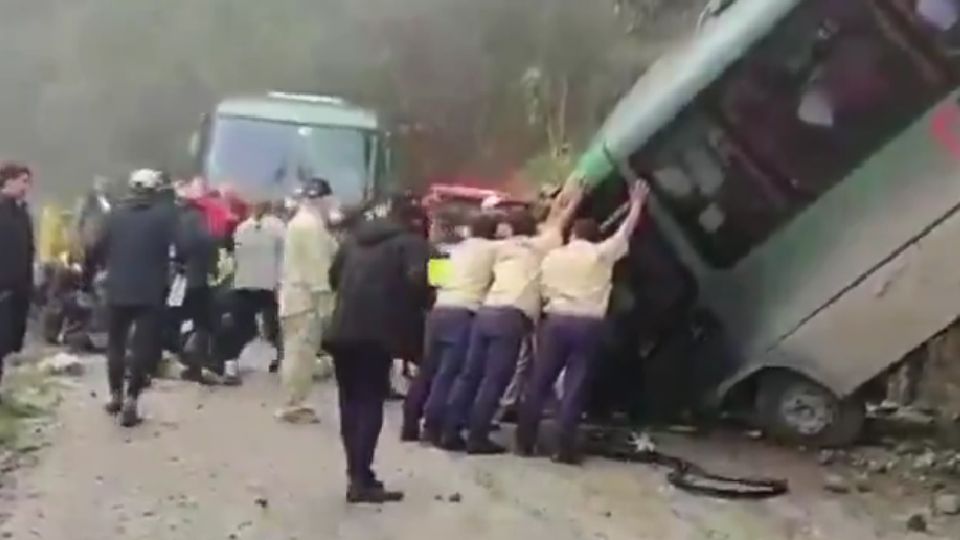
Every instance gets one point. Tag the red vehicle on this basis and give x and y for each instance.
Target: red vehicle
(449, 208)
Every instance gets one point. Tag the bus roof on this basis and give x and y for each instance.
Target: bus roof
(301, 109)
(676, 79)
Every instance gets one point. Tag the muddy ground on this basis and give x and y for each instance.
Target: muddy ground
(213, 463)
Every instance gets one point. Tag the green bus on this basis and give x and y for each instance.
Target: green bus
(804, 160)
(265, 146)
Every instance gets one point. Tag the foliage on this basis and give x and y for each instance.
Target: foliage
(100, 86)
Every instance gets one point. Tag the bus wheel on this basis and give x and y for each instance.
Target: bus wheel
(796, 410)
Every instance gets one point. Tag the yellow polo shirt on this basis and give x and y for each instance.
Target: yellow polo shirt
(468, 275)
(516, 271)
(577, 278)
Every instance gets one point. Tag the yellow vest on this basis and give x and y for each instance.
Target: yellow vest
(52, 238)
(438, 272)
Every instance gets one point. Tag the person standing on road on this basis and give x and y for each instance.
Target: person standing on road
(17, 244)
(135, 248)
(258, 250)
(576, 281)
(306, 298)
(507, 316)
(470, 273)
(380, 276)
(197, 256)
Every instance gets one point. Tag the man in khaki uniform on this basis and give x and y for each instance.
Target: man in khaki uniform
(306, 299)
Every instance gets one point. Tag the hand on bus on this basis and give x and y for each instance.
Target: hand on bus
(639, 193)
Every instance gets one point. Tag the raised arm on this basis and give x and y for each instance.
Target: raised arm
(618, 245)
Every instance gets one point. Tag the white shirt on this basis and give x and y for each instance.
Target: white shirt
(471, 273)
(258, 250)
(577, 278)
(516, 271)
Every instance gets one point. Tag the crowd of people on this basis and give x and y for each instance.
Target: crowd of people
(518, 312)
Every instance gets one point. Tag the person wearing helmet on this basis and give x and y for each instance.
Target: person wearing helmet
(134, 246)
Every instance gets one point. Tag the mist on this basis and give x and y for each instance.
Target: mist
(101, 87)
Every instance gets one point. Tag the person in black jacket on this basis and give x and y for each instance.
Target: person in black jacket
(135, 248)
(380, 277)
(18, 249)
(197, 256)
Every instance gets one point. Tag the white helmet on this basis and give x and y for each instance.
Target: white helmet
(145, 180)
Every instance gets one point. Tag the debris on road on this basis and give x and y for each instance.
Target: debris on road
(947, 504)
(834, 483)
(917, 523)
(62, 364)
(455, 498)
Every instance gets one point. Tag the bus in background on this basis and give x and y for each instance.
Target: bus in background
(804, 160)
(264, 147)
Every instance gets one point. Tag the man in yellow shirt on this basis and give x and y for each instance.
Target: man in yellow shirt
(576, 282)
(468, 278)
(505, 318)
(306, 298)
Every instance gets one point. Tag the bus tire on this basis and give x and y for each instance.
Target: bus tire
(796, 410)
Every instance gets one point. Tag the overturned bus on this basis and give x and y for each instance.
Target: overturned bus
(804, 161)
(263, 147)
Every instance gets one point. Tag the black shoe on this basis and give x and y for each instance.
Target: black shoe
(274, 367)
(453, 443)
(197, 376)
(566, 457)
(524, 452)
(410, 434)
(372, 495)
(115, 405)
(433, 437)
(129, 417)
(485, 447)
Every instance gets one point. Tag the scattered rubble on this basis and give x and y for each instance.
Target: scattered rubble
(917, 523)
(827, 457)
(947, 504)
(62, 364)
(834, 483)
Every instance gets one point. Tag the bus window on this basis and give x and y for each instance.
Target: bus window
(722, 199)
(825, 90)
(938, 21)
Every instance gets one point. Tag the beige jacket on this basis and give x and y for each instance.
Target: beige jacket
(308, 252)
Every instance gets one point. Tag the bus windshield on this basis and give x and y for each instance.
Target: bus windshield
(264, 158)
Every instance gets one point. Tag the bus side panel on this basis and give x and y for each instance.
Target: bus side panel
(834, 244)
(877, 323)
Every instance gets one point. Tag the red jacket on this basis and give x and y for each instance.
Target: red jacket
(221, 220)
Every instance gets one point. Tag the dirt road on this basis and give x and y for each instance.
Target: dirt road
(212, 463)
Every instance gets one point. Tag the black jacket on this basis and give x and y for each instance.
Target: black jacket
(135, 248)
(380, 276)
(197, 248)
(17, 246)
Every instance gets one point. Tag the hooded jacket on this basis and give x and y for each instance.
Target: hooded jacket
(380, 277)
(135, 248)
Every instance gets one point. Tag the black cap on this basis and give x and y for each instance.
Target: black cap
(316, 188)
